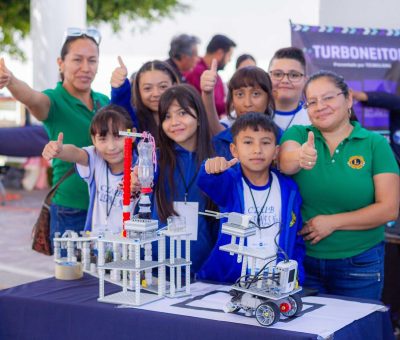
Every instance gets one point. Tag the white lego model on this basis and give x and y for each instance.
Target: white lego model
(131, 268)
(268, 293)
(176, 262)
(141, 233)
(71, 242)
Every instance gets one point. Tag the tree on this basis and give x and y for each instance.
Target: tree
(15, 16)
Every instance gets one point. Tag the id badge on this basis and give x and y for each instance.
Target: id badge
(190, 210)
(259, 245)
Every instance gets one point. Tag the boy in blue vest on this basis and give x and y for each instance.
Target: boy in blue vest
(247, 184)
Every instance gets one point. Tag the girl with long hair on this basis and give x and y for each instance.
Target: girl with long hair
(184, 143)
(149, 83)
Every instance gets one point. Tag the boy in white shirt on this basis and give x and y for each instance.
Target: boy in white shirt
(247, 184)
(287, 70)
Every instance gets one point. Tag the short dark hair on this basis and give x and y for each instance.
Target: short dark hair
(242, 58)
(67, 44)
(119, 117)
(251, 76)
(255, 121)
(220, 41)
(182, 45)
(290, 53)
(337, 80)
(333, 77)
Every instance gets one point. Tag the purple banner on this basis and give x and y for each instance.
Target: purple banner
(368, 59)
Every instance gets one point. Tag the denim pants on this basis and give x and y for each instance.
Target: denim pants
(360, 276)
(65, 218)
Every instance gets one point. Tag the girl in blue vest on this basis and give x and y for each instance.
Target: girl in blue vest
(249, 90)
(184, 142)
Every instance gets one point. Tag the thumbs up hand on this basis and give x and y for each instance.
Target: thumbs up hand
(53, 148)
(119, 74)
(217, 165)
(209, 78)
(308, 153)
(5, 74)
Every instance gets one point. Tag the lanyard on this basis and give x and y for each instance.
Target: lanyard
(108, 211)
(290, 122)
(265, 202)
(187, 186)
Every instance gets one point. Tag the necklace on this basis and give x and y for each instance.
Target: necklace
(187, 186)
(290, 121)
(293, 115)
(265, 202)
(108, 211)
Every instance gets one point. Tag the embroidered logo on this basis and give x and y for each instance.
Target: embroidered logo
(293, 221)
(356, 162)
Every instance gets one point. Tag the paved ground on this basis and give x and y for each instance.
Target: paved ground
(18, 262)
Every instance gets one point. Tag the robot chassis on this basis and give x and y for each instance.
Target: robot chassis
(265, 297)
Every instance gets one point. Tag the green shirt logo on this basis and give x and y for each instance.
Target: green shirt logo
(356, 162)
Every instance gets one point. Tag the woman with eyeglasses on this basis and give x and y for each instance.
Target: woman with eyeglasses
(349, 181)
(287, 70)
(67, 108)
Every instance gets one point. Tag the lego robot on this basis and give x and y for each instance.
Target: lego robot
(267, 294)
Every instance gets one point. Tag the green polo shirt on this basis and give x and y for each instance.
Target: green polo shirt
(340, 183)
(72, 117)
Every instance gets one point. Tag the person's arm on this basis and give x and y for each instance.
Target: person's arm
(207, 84)
(293, 156)
(121, 90)
(68, 152)
(37, 103)
(213, 175)
(299, 250)
(380, 99)
(384, 209)
(122, 96)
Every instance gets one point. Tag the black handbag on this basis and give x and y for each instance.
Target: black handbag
(41, 228)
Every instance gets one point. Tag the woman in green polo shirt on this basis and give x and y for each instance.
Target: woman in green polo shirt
(348, 178)
(68, 108)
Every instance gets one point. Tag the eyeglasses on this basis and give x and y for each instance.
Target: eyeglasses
(293, 76)
(325, 100)
(91, 32)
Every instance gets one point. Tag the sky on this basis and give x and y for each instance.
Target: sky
(258, 27)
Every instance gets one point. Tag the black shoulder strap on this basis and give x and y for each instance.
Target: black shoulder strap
(55, 186)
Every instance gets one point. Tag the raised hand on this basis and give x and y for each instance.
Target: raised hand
(217, 165)
(360, 96)
(5, 74)
(209, 78)
(53, 148)
(119, 74)
(308, 153)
